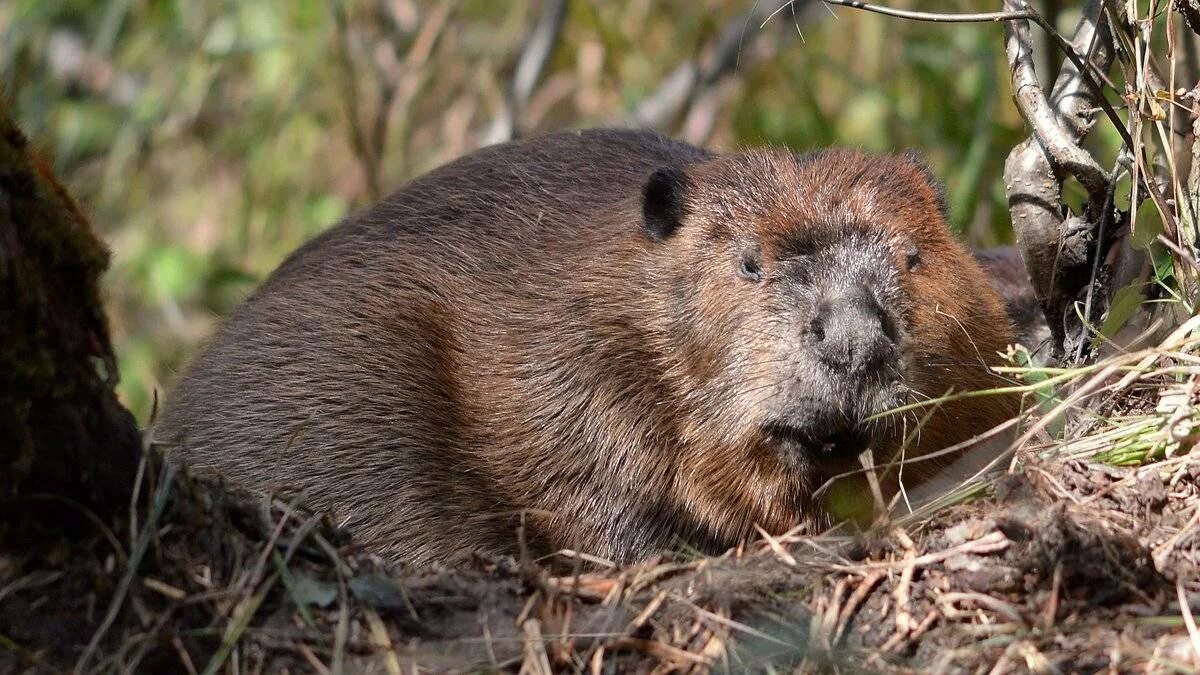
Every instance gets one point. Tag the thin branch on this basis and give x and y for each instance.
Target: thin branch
(1032, 172)
(1147, 74)
(690, 80)
(936, 17)
(1060, 143)
(367, 157)
(1193, 181)
(540, 46)
(407, 81)
(532, 62)
(1020, 11)
(1088, 303)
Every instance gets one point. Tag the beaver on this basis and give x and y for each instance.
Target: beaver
(606, 341)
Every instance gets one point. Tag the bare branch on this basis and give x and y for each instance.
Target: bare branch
(537, 51)
(1144, 71)
(1057, 251)
(1059, 142)
(1018, 10)
(530, 66)
(402, 83)
(397, 82)
(1193, 181)
(691, 79)
(1072, 97)
(367, 157)
(935, 17)
(702, 114)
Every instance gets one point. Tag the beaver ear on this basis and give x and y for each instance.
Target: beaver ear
(939, 192)
(663, 202)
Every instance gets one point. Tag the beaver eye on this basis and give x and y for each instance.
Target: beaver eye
(912, 257)
(750, 267)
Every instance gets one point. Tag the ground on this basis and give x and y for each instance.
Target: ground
(1082, 555)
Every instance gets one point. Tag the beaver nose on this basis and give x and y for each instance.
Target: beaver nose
(852, 331)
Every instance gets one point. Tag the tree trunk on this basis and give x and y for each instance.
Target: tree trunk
(62, 430)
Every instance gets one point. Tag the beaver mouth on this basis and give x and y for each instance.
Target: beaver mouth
(832, 447)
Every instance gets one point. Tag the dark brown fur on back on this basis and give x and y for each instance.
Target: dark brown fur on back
(501, 342)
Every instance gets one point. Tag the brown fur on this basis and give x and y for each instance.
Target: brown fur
(501, 342)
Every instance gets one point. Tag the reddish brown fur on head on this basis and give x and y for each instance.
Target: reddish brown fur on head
(766, 252)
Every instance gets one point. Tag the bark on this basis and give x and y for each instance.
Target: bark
(62, 430)
(1059, 248)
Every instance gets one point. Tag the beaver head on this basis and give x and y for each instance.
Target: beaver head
(810, 295)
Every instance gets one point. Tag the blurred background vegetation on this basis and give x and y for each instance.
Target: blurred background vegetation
(209, 139)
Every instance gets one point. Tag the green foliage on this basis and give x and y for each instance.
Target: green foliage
(207, 140)
(1126, 301)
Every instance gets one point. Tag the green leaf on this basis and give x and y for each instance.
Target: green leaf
(1124, 304)
(1147, 226)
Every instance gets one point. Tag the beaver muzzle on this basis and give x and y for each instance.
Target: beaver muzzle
(850, 372)
(852, 334)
